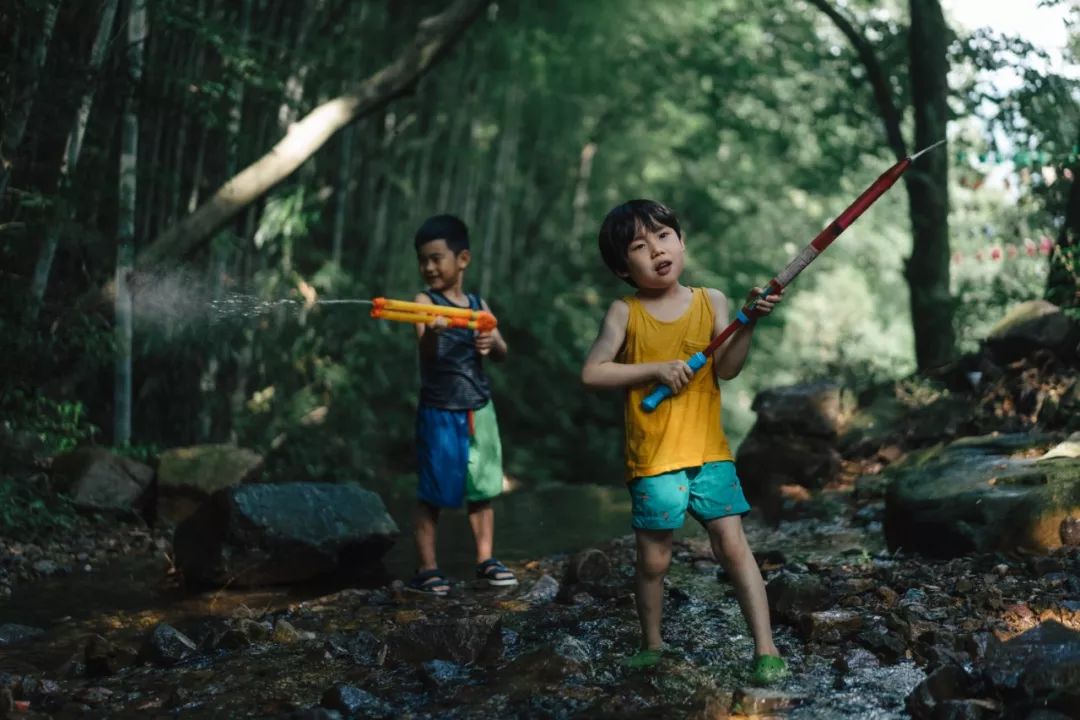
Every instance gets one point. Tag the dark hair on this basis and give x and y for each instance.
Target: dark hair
(444, 227)
(621, 225)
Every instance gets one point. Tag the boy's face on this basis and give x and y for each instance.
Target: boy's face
(655, 258)
(439, 266)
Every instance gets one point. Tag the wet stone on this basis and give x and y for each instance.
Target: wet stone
(791, 596)
(831, 625)
(588, 566)
(967, 709)
(543, 591)
(857, 659)
(11, 633)
(285, 633)
(355, 702)
(165, 645)
(946, 683)
(462, 640)
(764, 701)
(440, 673)
(103, 658)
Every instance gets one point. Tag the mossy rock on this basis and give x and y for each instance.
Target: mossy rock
(983, 494)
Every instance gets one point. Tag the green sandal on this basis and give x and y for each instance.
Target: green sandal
(643, 659)
(649, 658)
(768, 669)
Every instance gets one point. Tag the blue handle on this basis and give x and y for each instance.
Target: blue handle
(663, 392)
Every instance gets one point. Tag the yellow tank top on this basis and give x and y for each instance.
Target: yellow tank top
(685, 430)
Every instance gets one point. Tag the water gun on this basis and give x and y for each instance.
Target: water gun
(422, 313)
(817, 246)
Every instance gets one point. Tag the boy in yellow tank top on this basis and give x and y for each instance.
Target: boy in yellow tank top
(677, 457)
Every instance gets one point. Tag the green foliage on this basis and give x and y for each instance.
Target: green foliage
(753, 120)
(29, 512)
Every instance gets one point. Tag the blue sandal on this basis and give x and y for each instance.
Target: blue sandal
(429, 582)
(496, 574)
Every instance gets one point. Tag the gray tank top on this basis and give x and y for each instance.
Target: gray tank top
(454, 379)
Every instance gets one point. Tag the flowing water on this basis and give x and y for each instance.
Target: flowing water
(702, 618)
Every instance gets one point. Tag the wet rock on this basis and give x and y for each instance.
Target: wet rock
(791, 596)
(104, 658)
(588, 566)
(767, 462)
(831, 626)
(1031, 326)
(362, 648)
(976, 495)
(99, 481)
(352, 702)
(255, 632)
(1027, 655)
(462, 640)
(551, 662)
(968, 709)
(543, 591)
(11, 633)
(806, 409)
(93, 695)
(856, 660)
(764, 701)
(188, 476)
(316, 713)
(283, 533)
(165, 646)
(440, 673)
(887, 646)
(285, 633)
(946, 683)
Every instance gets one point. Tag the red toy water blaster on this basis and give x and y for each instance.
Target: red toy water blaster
(817, 246)
(424, 314)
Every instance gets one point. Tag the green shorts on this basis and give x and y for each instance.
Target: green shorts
(458, 455)
(710, 491)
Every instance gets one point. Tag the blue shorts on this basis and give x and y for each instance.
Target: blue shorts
(458, 455)
(710, 491)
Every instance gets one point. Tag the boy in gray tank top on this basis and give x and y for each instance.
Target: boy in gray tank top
(458, 453)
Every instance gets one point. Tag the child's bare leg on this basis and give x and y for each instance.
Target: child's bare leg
(653, 560)
(482, 521)
(733, 552)
(425, 524)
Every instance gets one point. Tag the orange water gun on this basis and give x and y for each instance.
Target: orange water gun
(410, 312)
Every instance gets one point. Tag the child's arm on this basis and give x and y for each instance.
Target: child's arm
(601, 370)
(491, 343)
(729, 359)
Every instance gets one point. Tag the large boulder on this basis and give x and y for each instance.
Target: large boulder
(983, 494)
(263, 534)
(792, 443)
(99, 481)
(1031, 326)
(805, 409)
(189, 475)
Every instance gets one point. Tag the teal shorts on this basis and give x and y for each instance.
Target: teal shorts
(710, 491)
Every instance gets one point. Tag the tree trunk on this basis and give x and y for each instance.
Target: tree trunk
(927, 270)
(500, 182)
(344, 190)
(126, 227)
(219, 251)
(15, 124)
(435, 35)
(71, 159)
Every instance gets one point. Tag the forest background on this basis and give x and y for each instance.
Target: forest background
(756, 121)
